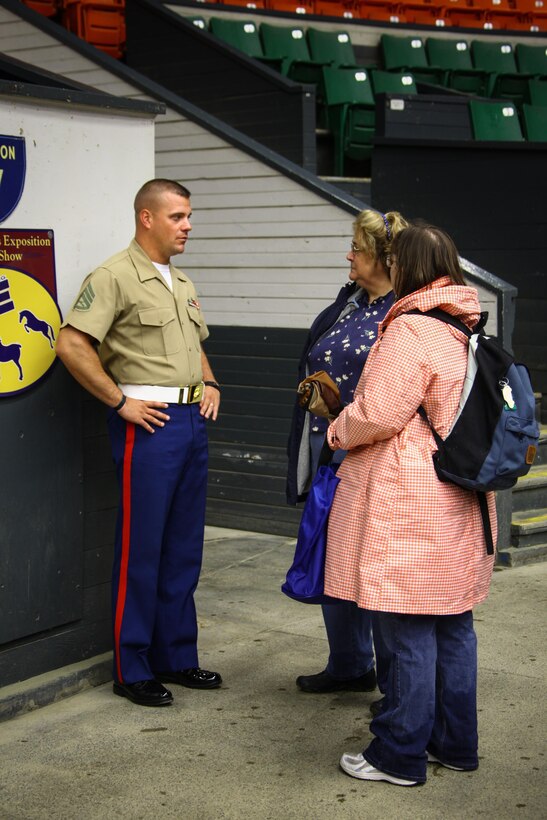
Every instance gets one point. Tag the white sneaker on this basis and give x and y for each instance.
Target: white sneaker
(432, 759)
(357, 766)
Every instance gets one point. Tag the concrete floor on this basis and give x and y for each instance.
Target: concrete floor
(258, 748)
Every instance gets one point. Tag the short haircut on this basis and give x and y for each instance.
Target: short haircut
(424, 253)
(149, 193)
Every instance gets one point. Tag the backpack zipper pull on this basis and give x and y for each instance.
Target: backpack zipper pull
(507, 394)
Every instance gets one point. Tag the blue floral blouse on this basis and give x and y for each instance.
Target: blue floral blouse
(342, 351)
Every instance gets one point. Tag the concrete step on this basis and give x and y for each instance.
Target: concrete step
(529, 528)
(541, 457)
(530, 491)
(528, 539)
(519, 556)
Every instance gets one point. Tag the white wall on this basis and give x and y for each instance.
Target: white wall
(83, 169)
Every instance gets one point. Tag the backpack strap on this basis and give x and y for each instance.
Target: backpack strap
(447, 318)
(443, 316)
(486, 522)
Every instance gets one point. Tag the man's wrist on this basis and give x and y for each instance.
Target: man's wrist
(212, 383)
(120, 403)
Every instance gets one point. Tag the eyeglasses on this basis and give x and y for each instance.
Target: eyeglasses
(354, 248)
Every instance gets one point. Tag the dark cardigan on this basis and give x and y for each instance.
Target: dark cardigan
(326, 319)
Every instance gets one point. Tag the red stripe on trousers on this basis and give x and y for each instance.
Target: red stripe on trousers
(126, 537)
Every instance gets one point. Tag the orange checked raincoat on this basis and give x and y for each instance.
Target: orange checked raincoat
(399, 539)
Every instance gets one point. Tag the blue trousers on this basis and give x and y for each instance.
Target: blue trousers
(159, 542)
(349, 629)
(431, 698)
(350, 639)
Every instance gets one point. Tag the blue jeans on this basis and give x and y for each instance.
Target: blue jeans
(349, 628)
(350, 640)
(431, 697)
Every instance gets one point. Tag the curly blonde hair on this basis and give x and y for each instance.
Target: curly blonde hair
(374, 232)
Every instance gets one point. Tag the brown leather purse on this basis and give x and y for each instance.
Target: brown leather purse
(320, 395)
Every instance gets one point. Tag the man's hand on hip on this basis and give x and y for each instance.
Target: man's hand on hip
(144, 413)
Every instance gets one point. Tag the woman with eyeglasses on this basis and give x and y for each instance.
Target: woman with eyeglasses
(401, 542)
(339, 341)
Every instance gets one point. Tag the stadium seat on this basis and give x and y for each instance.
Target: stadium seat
(390, 82)
(242, 34)
(455, 57)
(402, 52)
(531, 59)
(332, 8)
(502, 14)
(288, 46)
(291, 6)
(498, 58)
(99, 22)
(46, 7)
(248, 4)
(330, 47)
(409, 54)
(536, 11)
(537, 92)
(350, 113)
(461, 15)
(495, 121)
(534, 119)
(388, 10)
(423, 13)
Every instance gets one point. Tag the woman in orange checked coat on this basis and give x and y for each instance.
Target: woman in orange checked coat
(400, 541)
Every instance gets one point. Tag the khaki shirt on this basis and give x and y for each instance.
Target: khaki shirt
(147, 333)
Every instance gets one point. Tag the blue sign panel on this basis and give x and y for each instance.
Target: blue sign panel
(13, 165)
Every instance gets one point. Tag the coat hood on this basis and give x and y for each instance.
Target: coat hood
(460, 301)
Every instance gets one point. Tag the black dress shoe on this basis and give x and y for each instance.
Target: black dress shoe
(192, 678)
(323, 682)
(376, 707)
(144, 693)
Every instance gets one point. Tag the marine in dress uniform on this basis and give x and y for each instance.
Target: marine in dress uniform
(133, 339)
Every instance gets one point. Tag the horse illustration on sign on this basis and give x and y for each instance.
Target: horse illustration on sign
(31, 322)
(11, 353)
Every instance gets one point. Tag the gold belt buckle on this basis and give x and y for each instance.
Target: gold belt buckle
(195, 393)
(190, 394)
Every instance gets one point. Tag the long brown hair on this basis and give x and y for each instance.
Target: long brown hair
(423, 253)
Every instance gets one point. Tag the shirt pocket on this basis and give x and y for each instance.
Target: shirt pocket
(159, 332)
(195, 314)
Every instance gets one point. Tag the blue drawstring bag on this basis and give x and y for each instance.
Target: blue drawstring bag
(306, 577)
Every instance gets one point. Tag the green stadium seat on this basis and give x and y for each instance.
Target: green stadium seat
(455, 57)
(531, 59)
(534, 119)
(351, 113)
(402, 52)
(242, 34)
(495, 121)
(537, 92)
(496, 57)
(390, 82)
(330, 47)
(288, 46)
(499, 59)
(409, 54)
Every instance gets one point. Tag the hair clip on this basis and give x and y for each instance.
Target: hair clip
(388, 227)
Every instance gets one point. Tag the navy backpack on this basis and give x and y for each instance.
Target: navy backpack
(494, 436)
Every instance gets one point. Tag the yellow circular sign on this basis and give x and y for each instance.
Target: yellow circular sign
(29, 324)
